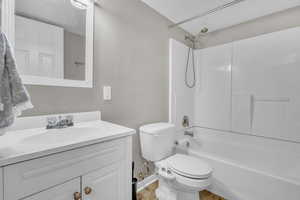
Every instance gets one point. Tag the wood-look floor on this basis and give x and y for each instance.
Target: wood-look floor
(149, 194)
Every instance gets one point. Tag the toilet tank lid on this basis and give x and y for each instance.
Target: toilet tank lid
(156, 127)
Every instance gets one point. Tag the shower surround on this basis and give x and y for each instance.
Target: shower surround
(244, 112)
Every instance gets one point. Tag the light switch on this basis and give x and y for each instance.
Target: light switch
(106, 93)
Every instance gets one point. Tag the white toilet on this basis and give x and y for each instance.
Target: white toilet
(181, 177)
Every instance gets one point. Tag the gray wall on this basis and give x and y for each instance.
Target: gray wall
(131, 55)
(271, 23)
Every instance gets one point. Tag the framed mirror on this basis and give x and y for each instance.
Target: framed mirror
(1, 14)
(53, 41)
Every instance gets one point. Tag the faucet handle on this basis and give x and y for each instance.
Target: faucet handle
(70, 120)
(51, 122)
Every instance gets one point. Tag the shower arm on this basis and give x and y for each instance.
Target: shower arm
(214, 10)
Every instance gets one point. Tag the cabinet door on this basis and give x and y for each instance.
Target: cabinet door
(213, 92)
(61, 192)
(105, 183)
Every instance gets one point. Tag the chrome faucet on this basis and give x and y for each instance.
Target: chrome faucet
(59, 122)
(189, 133)
(185, 121)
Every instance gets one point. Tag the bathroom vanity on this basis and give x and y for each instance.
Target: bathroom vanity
(90, 161)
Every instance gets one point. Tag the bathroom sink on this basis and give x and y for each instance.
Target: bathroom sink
(53, 136)
(31, 142)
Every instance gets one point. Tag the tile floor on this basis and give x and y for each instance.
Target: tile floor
(149, 194)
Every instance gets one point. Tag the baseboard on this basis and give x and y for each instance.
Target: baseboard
(146, 182)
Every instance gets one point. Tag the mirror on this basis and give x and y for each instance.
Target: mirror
(54, 42)
(1, 14)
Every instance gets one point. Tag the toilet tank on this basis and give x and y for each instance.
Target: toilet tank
(157, 140)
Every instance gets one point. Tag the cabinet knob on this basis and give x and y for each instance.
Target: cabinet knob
(77, 196)
(87, 190)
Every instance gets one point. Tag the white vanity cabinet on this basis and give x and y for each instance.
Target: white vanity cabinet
(101, 171)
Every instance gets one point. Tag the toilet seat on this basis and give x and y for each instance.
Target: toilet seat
(189, 167)
(185, 173)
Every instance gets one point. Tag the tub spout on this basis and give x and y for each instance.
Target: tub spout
(189, 133)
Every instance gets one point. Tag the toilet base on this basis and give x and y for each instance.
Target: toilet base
(166, 192)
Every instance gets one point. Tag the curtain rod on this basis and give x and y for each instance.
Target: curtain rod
(214, 10)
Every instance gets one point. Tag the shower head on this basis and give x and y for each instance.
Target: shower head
(190, 38)
(204, 30)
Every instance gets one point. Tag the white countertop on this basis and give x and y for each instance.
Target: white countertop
(22, 145)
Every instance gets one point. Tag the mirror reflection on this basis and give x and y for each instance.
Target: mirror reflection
(1, 14)
(50, 38)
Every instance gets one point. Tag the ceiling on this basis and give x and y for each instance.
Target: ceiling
(57, 12)
(179, 10)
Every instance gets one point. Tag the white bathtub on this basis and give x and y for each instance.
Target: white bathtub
(249, 167)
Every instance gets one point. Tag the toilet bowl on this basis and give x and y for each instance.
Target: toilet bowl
(181, 177)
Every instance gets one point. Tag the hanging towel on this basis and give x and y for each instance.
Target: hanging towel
(14, 97)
